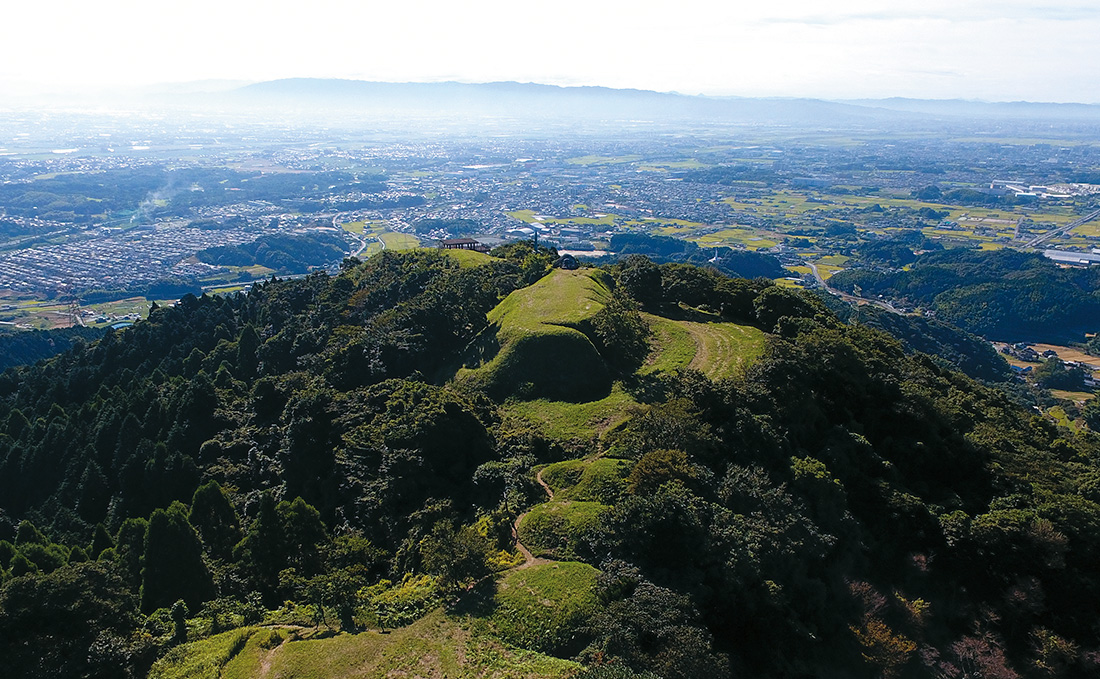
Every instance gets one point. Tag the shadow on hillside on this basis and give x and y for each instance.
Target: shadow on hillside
(682, 312)
(482, 349)
(651, 388)
(479, 601)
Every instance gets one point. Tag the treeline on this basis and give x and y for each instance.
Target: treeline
(998, 294)
(455, 227)
(843, 509)
(283, 253)
(661, 249)
(963, 196)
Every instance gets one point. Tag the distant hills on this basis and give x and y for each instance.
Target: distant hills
(532, 100)
(330, 101)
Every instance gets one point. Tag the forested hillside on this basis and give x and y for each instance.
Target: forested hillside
(999, 294)
(20, 348)
(336, 455)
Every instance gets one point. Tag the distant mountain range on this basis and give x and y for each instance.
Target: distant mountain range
(531, 100)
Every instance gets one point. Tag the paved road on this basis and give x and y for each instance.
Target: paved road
(1062, 230)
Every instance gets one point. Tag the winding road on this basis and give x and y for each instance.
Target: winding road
(849, 298)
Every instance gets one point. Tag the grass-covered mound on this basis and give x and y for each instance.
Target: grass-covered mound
(559, 529)
(599, 480)
(435, 646)
(566, 421)
(537, 346)
(544, 608)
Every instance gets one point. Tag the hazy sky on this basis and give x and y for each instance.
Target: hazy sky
(973, 49)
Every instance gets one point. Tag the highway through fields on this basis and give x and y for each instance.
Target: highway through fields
(1062, 230)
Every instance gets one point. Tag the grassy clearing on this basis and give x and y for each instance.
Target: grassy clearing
(1075, 396)
(435, 646)
(673, 347)
(599, 480)
(1058, 414)
(716, 348)
(561, 298)
(724, 349)
(260, 645)
(739, 235)
(373, 248)
(203, 659)
(542, 608)
(399, 241)
(568, 421)
(523, 215)
(531, 217)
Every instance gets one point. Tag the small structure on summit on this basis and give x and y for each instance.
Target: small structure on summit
(462, 244)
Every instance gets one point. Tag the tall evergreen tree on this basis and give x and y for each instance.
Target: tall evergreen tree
(215, 520)
(172, 567)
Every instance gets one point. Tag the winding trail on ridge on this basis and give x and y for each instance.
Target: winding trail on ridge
(530, 559)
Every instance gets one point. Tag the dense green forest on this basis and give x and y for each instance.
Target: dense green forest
(840, 506)
(999, 294)
(283, 253)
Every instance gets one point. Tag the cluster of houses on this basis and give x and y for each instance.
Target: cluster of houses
(1025, 352)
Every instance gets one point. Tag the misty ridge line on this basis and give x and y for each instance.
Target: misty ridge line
(534, 100)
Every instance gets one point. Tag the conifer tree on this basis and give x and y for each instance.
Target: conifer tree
(172, 567)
